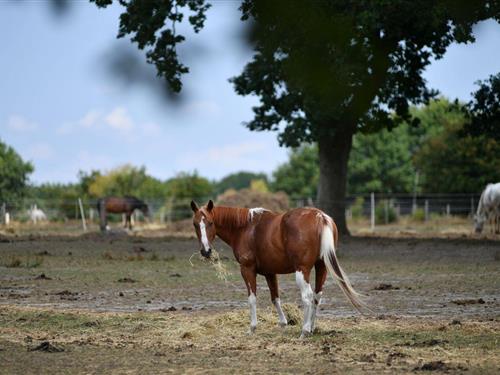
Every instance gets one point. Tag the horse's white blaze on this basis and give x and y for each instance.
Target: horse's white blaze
(252, 302)
(281, 315)
(255, 211)
(204, 238)
(307, 298)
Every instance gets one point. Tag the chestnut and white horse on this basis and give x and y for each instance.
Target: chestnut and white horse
(268, 244)
(488, 208)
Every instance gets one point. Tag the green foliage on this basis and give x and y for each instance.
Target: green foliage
(418, 215)
(385, 213)
(126, 180)
(152, 26)
(381, 162)
(259, 185)
(238, 181)
(61, 197)
(484, 109)
(182, 189)
(454, 163)
(189, 186)
(299, 176)
(14, 173)
(357, 207)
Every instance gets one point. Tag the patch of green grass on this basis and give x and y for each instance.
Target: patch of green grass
(26, 262)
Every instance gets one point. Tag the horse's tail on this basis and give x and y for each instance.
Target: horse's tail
(327, 253)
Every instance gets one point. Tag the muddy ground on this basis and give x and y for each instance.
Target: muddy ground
(127, 303)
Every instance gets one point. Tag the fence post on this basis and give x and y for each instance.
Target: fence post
(84, 224)
(372, 211)
(2, 214)
(426, 210)
(386, 211)
(448, 209)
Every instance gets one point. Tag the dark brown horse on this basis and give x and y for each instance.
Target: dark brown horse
(268, 244)
(120, 205)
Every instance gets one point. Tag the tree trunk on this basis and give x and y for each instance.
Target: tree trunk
(333, 158)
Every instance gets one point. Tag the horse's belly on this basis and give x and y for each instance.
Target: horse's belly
(273, 261)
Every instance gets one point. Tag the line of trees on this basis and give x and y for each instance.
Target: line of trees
(447, 157)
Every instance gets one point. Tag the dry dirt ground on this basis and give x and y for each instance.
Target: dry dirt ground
(123, 303)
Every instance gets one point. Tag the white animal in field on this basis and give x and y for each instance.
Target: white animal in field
(36, 214)
(488, 208)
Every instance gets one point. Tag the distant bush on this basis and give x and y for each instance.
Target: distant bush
(418, 215)
(380, 213)
(248, 198)
(357, 207)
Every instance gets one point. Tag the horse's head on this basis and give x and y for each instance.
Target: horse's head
(203, 222)
(478, 223)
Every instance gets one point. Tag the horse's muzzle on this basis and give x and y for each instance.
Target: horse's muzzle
(206, 253)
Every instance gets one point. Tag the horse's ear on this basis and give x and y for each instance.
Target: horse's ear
(210, 205)
(194, 206)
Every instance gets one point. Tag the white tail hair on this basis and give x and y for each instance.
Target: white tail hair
(327, 253)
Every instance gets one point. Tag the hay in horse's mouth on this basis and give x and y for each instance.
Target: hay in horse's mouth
(220, 269)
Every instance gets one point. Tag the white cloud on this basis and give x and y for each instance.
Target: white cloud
(227, 155)
(40, 151)
(20, 124)
(119, 119)
(90, 119)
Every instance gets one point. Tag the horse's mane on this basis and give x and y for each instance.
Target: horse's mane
(232, 217)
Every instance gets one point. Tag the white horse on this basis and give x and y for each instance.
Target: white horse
(36, 214)
(488, 208)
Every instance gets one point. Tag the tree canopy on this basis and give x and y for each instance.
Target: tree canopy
(238, 180)
(14, 173)
(323, 70)
(484, 109)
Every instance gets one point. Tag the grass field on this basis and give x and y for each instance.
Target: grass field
(134, 304)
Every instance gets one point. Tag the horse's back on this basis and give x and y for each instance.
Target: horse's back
(301, 231)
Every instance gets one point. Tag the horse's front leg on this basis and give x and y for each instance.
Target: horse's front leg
(250, 276)
(272, 283)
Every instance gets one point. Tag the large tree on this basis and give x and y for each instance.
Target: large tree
(14, 172)
(323, 70)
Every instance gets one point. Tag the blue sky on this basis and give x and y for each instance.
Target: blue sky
(63, 109)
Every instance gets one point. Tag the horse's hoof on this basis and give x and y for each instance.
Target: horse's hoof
(305, 334)
(283, 324)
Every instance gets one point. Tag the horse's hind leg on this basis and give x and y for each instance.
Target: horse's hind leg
(320, 276)
(250, 277)
(272, 282)
(302, 279)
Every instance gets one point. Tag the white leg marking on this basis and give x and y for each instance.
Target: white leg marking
(307, 298)
(204, 238)
(252, 302)
(281, 315)
(317, 301)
